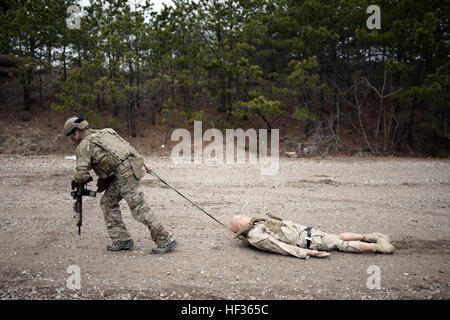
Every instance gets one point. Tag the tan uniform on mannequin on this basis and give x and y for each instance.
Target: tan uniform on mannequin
(285, 237)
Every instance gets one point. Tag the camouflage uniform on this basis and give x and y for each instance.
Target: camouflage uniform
(288, 238)
(115, 161)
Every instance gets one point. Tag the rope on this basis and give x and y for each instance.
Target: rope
(209, 215)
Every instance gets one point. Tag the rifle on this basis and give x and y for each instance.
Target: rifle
(80, 191)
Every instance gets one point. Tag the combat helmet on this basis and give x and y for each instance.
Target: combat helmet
(74, 123)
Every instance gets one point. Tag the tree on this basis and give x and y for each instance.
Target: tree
(30, 30)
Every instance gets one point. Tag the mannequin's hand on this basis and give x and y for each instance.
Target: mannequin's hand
(318, 254)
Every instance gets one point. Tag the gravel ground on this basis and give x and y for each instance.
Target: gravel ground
(405, 198)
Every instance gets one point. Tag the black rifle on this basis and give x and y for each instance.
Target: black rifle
(80, 191)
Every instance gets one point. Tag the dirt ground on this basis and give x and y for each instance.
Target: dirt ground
(405, 198)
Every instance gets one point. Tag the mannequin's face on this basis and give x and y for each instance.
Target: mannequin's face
(244, 220)
(239, 221)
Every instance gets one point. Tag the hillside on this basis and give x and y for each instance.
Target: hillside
(39, 130)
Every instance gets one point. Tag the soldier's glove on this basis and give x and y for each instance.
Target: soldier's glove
(147, 168)
(101, 185)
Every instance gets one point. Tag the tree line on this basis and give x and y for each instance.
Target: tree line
(232, 61)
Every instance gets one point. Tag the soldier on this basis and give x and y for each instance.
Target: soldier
(274, 234)
(119, 168)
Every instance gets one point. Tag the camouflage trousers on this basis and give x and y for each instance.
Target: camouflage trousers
(126, 186)
(323, 241)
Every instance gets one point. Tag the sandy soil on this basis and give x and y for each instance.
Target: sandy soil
(406, 198)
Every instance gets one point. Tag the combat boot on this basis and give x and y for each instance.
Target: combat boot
(165, 247)
(376, 236)
(383, 246)
(122, 245)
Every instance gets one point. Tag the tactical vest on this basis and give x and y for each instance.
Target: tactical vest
(273, 223)
(116, 151)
